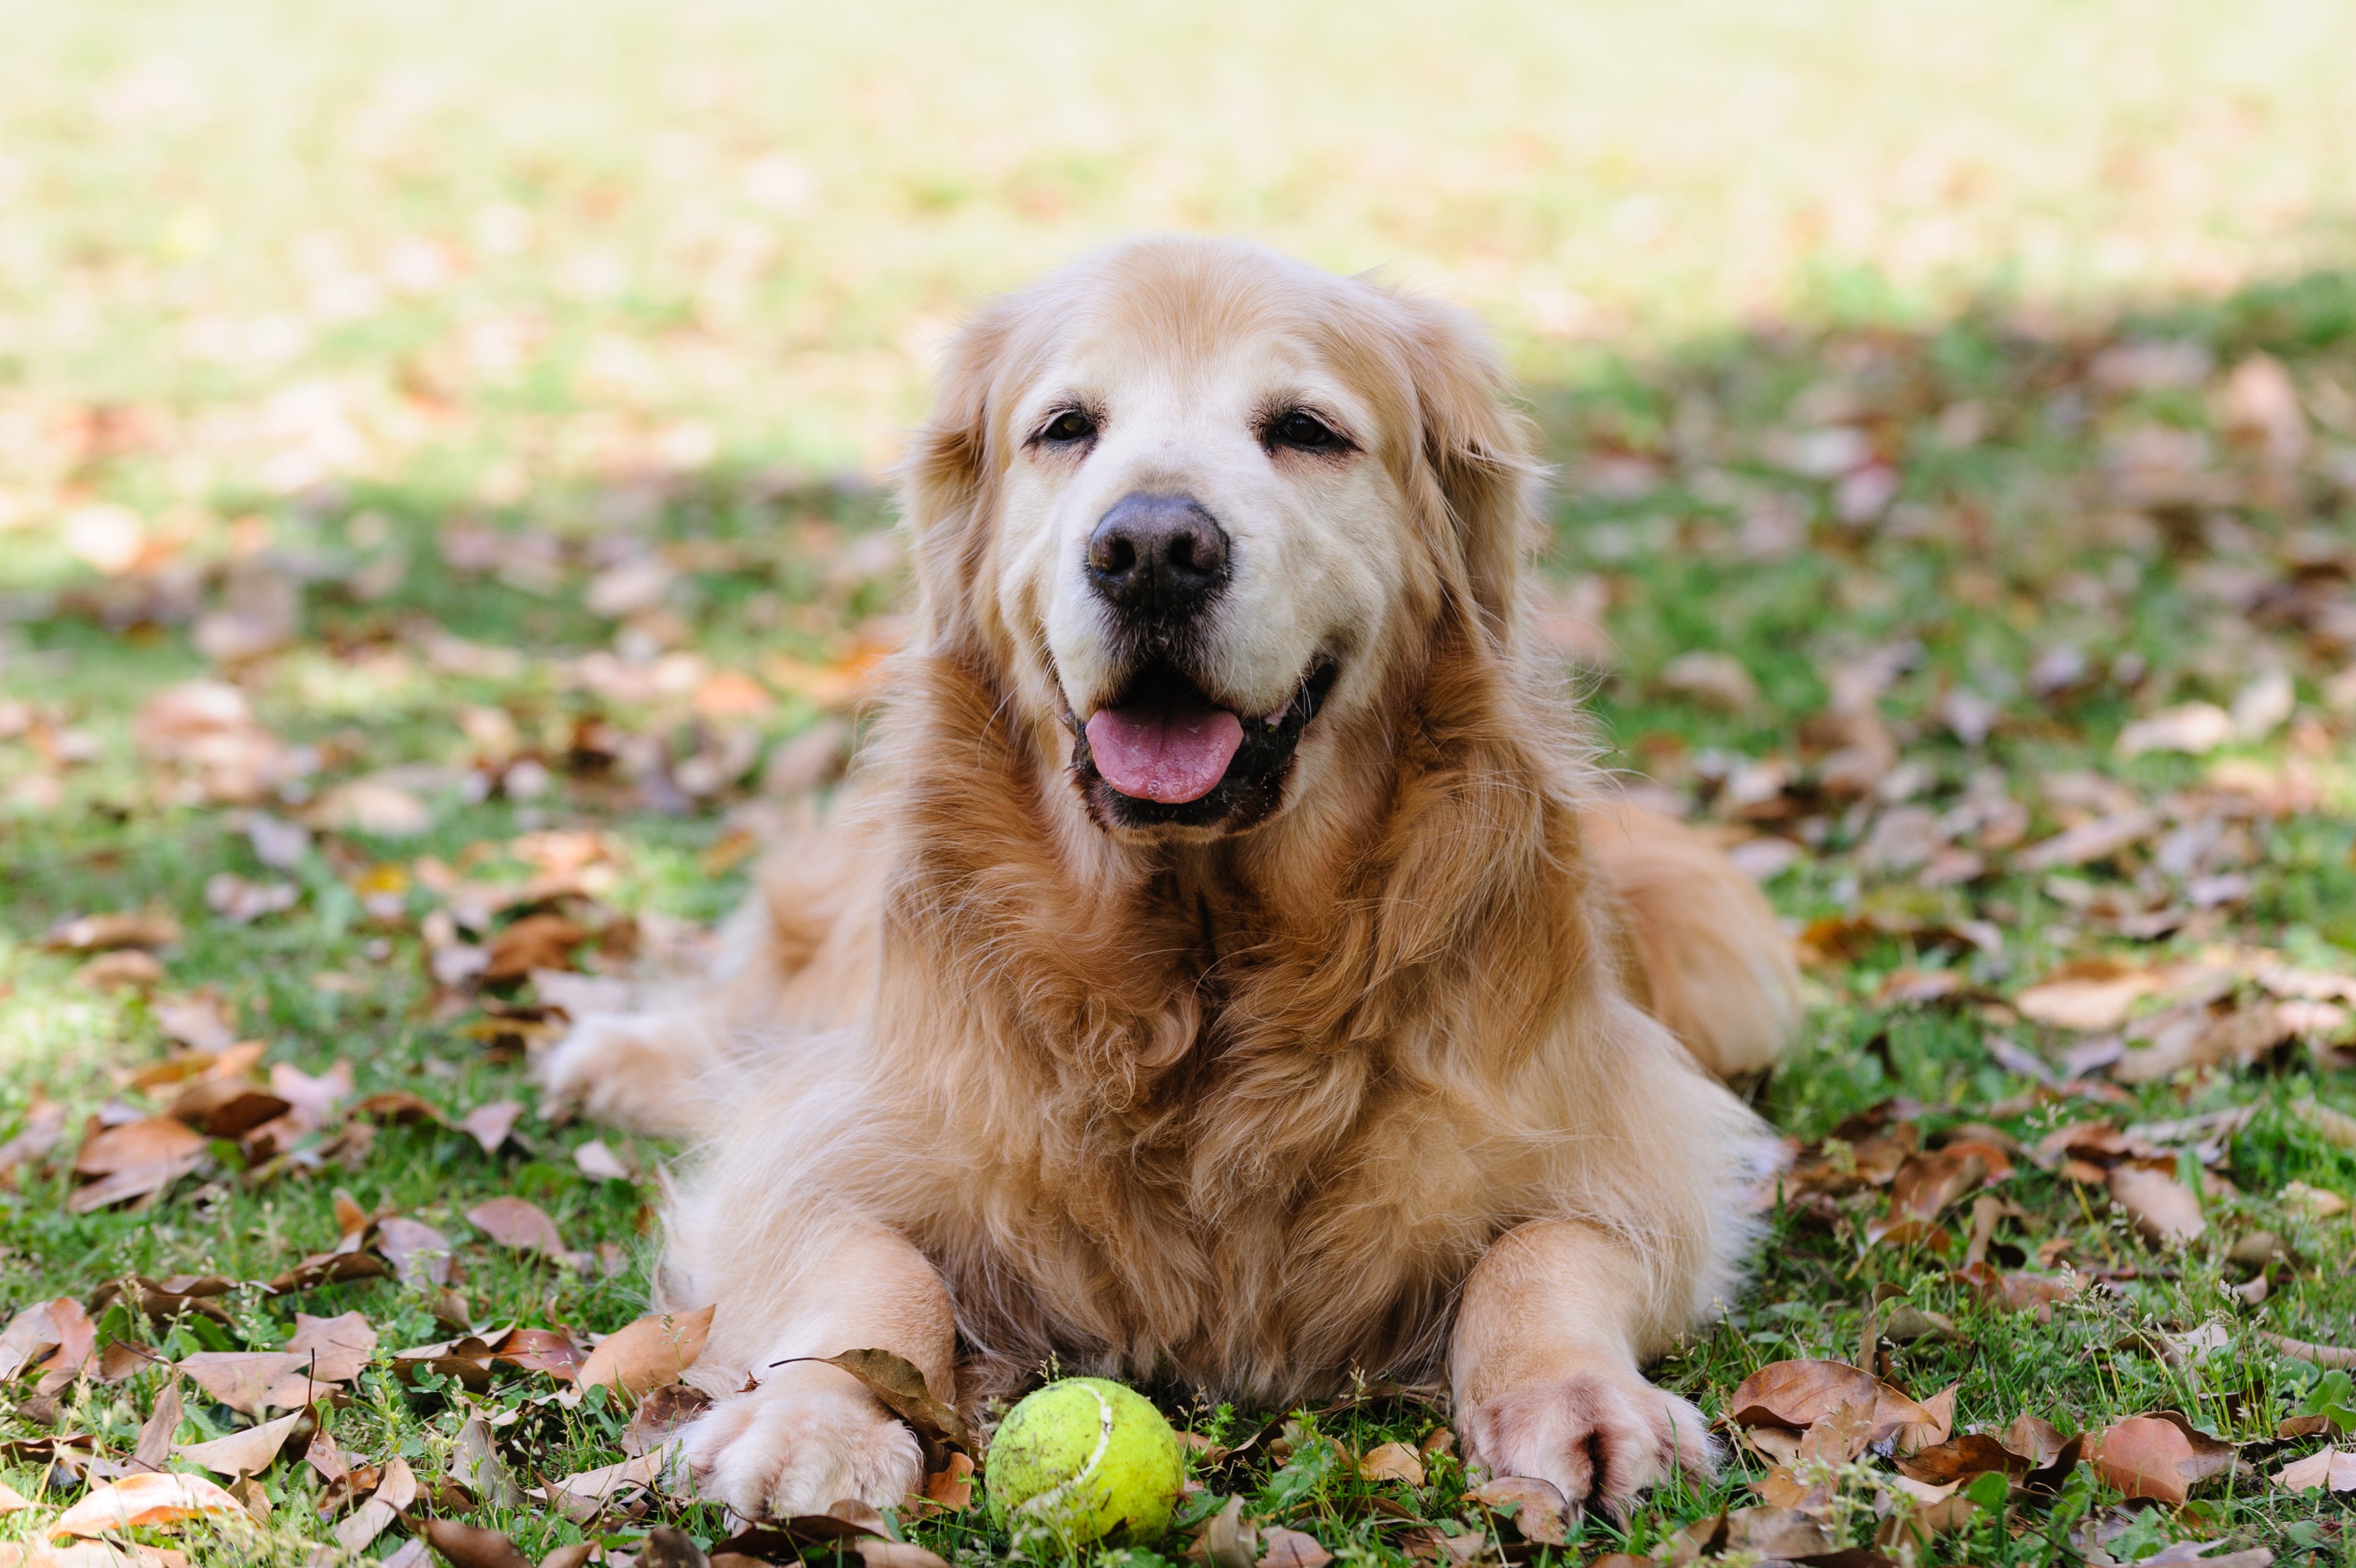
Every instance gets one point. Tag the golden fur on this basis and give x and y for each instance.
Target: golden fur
(1369, 1087)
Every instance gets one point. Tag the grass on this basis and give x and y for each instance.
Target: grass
(340, 291)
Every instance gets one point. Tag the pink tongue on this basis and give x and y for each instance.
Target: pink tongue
(1155, 754)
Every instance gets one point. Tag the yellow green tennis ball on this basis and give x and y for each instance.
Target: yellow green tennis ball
(1089, 1459)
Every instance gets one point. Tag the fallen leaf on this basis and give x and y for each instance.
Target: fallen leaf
(12, 1500)
(476, 1465)
(106, 933)
(2159, 1456)
(597, 1161)
(543, 1350)
(395, 1490)
(518, 1223)
(490, 1124)
(155, 1434)
(247, 1453)
(398, 1105)
(1537, 1507)
(45, 1125)
(328, 1268)
(2165, 1211)
(242, 1380)
(2334, 1469)
(1798, 1394)
(2091, 995)
(896, 1380)
(596, 1488)
(949, 1487)
(648, 1354)
(1280, 1548)
(2196, 728)
(1960, 1458)
(151, 1141)
(129, 970)
(1391, 1462)
(536, 942)
(2307, 1351)
(1923, 1188)
(341, 1346)
(472, 1546)
(145, 1501)
(201, 1020)
(226, 1108)
(315, 1097)
(419, 1255)
(378, 807)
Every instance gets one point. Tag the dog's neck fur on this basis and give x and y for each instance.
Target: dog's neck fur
(1190, 974)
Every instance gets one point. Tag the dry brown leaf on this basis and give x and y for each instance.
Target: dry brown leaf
(1535, 1506)
(153, 1140)
(649, 1353)
(396, 1489)
(201, 1020)
(545, 1351)
(313, 1097)
(341, 1346)
(1280, 1548)
(243, 1379)
(536, 942)
(2307, 1350)
(2334, 1469)
(1391, 1462)
(2091, 995)
(1960, 1458)
(520, 1224)
(2165, 1211)
(226, 1108)
(143, 1502)
(419, 1255)
(2159, 1456)
(247, 1453)
(45, 1125)
(133, 969)
(472, 1546)
(1923, 1188)
(1798, 1394)
(106, 933)
(597, 1161)
(490, 1124)
(950, 1487)
(895, 1379)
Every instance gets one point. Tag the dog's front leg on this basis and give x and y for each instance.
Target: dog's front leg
(1545, 1367)
(808, 1435)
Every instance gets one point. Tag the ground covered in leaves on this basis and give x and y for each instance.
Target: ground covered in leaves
(408, 633)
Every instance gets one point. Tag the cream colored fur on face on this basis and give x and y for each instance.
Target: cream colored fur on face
(1386, 1084)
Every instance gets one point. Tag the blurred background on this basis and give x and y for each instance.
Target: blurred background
(444, 527)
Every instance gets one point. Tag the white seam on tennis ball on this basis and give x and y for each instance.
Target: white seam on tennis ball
(1054, 1495)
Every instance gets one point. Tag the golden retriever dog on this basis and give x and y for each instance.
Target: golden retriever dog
(1229, 969)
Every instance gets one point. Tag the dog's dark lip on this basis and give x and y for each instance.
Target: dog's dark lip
(1251, 789)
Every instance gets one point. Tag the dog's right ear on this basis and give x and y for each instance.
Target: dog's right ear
(947, 477)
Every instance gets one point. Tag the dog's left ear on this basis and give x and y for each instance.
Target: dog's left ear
(1481, 451)
(944, 479)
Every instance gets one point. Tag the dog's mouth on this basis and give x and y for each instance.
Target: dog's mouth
(1164, 752)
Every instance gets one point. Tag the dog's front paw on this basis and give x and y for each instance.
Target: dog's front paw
(808, 1437)
(1601, 1436)
(623, 1067)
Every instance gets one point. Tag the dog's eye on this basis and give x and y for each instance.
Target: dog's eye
(1298, 427)
(1072, 424)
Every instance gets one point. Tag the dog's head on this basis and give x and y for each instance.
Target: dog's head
(1198, 507)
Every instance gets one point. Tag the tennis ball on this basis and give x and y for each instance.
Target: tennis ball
(1089, 1459)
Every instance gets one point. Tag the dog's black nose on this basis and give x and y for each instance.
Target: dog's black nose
(1164, 555)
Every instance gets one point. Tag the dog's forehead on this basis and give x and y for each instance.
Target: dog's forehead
(1125, 362)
